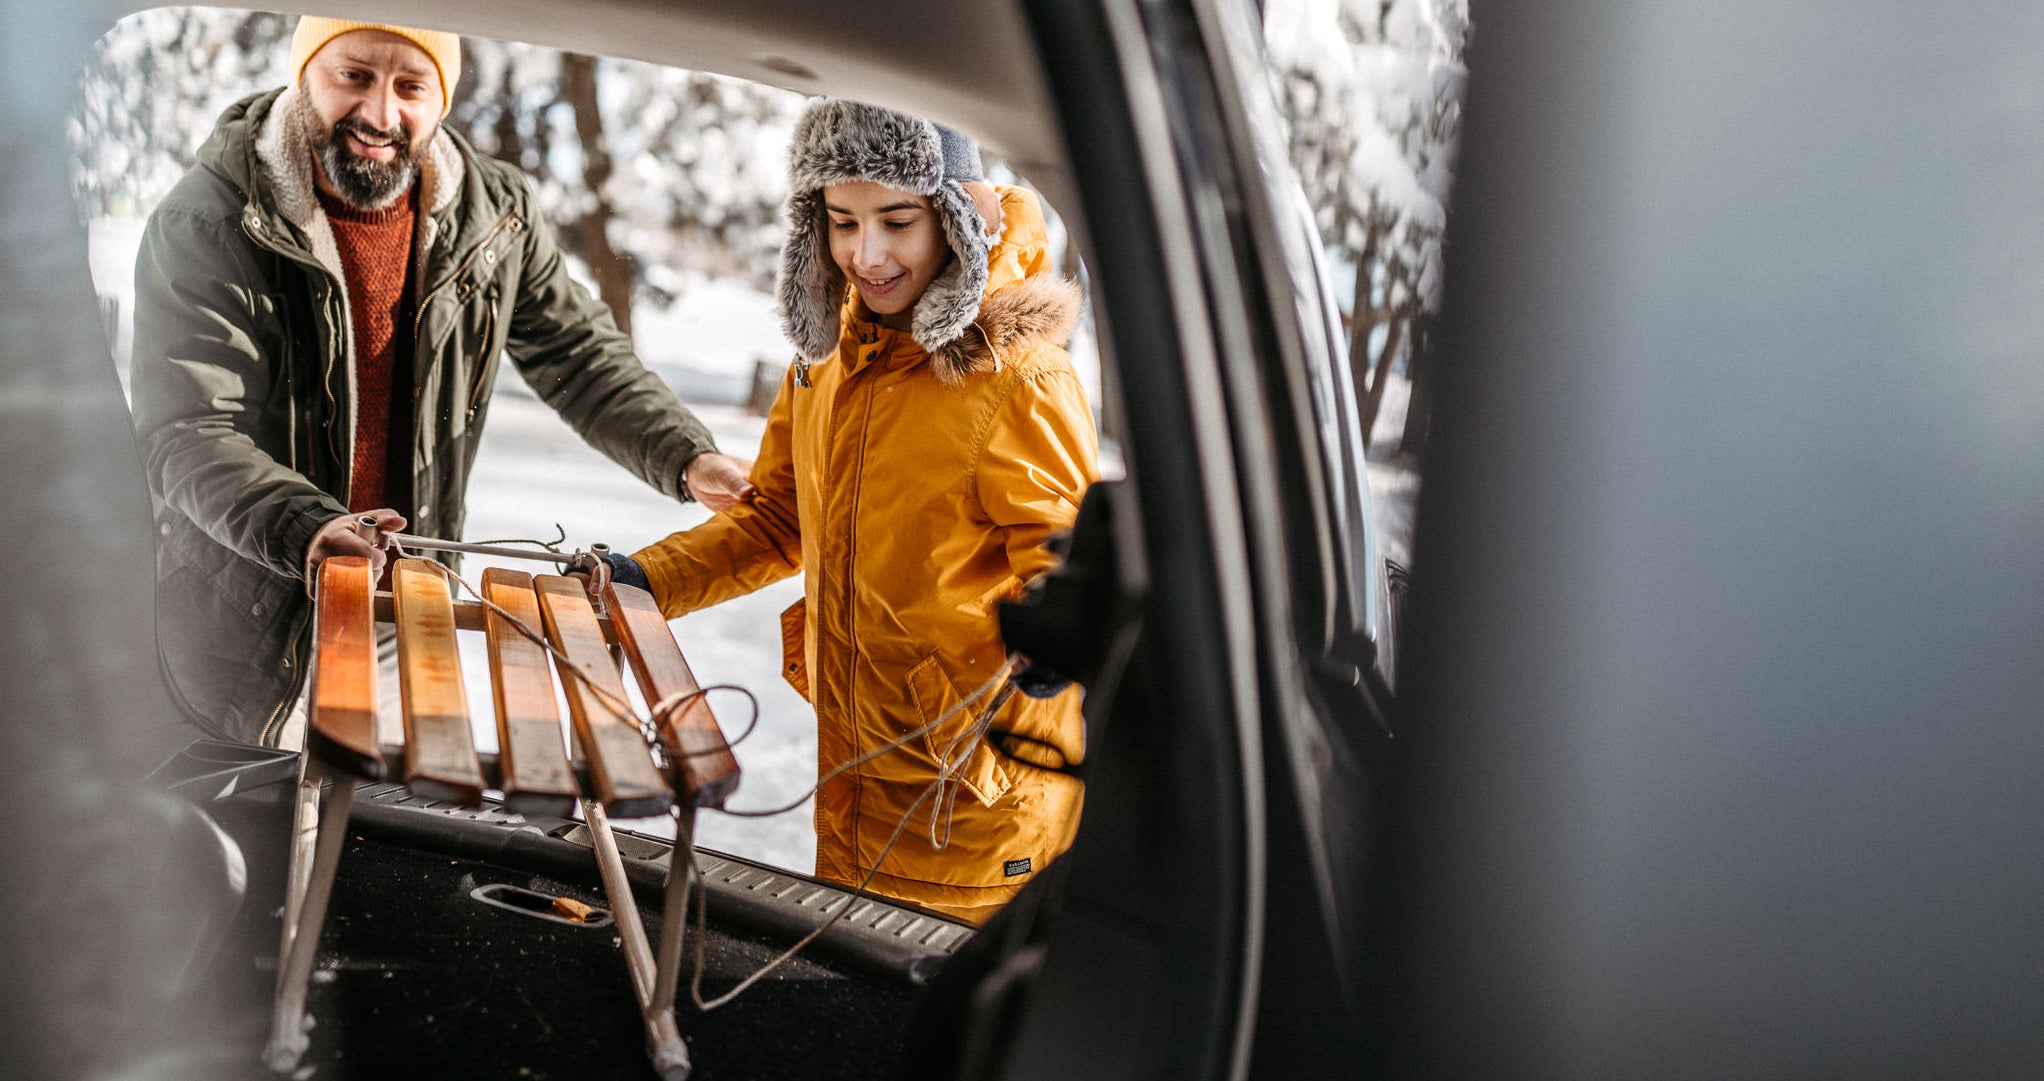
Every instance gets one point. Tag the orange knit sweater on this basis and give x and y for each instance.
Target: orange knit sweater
(376, 256)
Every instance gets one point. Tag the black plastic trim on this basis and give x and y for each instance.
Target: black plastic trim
(878, 937)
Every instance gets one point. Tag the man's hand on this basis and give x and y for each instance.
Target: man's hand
(718, 480)
(341, 537)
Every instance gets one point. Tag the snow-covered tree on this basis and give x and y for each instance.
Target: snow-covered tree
(1373, 92)
(155, 85)
(649, 175)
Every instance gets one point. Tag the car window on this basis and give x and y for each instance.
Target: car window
(664, 187)
(1368, 102)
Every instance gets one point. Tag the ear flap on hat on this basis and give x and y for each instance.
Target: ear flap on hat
(950, 304)
(811, 288)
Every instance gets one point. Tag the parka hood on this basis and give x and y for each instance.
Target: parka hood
(1043, 308)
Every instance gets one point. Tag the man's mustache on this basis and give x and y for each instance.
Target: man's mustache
(400, 136)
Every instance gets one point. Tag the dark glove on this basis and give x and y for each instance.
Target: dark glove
(625, 571)
(1038, 681)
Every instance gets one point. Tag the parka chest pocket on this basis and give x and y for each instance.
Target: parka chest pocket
(472, 331)
(486, 263)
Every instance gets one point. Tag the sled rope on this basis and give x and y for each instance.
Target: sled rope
(944, 787)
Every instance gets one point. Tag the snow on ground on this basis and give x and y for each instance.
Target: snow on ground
(708, 341)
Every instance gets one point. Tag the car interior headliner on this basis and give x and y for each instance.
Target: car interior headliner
(965, 63)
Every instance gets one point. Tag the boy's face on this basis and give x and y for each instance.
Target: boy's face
(888, 243)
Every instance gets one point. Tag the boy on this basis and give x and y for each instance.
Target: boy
(928, 439)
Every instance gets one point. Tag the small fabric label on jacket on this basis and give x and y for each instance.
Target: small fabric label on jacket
(1015, 867)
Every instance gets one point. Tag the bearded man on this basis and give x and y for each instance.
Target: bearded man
(320, 307)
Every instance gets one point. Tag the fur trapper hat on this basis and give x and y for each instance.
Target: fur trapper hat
(840, 142)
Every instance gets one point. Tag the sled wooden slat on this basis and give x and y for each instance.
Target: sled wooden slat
(620, 767)
(530, 751)
(341, 722)
(708, 771)
(440, 756)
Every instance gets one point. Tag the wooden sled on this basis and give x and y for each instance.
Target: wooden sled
(610, 771)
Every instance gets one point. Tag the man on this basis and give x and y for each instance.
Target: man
(320, 305)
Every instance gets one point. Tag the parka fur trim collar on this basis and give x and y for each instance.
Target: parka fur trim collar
(838, 142)
(1040, 308)
(283, 148)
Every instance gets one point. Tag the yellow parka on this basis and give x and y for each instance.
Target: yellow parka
(917, 491)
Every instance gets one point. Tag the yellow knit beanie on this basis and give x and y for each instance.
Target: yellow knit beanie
(314, 32)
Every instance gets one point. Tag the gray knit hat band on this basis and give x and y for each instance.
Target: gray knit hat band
(961, 156)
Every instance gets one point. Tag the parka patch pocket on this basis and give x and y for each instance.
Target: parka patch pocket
(794, 647)
(934, 694)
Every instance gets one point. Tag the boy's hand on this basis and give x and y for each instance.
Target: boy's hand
(610, 567)
(718, 481)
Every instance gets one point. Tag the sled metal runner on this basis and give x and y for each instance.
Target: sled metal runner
(604, 765)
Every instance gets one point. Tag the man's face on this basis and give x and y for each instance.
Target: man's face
(373, 100)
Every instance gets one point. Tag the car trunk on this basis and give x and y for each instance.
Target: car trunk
(420, 974)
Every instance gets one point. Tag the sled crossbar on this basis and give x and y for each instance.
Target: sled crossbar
(600, 760)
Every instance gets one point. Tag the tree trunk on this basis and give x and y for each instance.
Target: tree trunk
(589, 236)
(1394, 340)
(510, 146)
(1361, 322)
(1364, 316)
(1419, 411)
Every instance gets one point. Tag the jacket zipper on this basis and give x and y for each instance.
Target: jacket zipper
(851, 560)
(326, 385)
(326, 382)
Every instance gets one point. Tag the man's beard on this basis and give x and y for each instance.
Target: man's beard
(364, 183)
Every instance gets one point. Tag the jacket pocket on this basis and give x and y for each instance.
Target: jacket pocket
(794, 647)
(934, 695)
(484, 368)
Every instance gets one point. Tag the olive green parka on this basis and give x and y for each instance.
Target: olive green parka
(244, 395)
